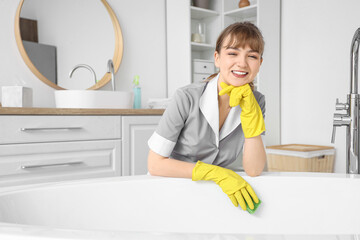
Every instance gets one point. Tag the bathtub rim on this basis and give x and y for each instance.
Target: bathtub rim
(11, 229)
(72, 183)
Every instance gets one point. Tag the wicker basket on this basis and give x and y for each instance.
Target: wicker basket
(300, 158)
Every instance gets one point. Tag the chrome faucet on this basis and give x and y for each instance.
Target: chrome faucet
(351, 118)
(110, 69)
(83, 66)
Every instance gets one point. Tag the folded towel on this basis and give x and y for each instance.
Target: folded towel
(158, 103)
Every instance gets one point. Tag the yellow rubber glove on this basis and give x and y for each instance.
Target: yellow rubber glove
(230, 182)
(251, 116)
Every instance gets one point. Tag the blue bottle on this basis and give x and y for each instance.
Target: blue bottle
(137, 93)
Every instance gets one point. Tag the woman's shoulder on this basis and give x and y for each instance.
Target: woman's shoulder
(193, 90)
(186, 98)
(198, 86)
(260, 98)
(258, 95)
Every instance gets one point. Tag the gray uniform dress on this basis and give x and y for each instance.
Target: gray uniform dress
(189, 127)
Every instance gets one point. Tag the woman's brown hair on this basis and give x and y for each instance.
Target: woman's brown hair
(240, 34)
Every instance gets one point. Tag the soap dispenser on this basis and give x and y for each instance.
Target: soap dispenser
(137, 92)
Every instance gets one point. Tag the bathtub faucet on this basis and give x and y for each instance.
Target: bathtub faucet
(350, 119)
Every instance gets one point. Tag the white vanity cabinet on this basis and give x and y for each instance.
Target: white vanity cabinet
(136, 131)
(53, 148)
(44, 148)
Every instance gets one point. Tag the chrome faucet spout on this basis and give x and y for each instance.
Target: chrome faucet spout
(354, 62)
(83, 66)
(110, 69)
(351, 118)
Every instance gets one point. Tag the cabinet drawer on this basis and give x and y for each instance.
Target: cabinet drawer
(200, 77)
(203, 67)
(26, 129)
(44, 162)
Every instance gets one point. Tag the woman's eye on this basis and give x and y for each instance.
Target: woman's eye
(233, 54)
(253, 56)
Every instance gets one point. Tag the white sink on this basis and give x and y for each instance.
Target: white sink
(93, 99)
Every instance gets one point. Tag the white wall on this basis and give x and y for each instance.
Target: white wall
(143, 27)
(315, 69)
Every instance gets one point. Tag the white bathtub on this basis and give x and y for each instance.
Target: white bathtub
(294, 206)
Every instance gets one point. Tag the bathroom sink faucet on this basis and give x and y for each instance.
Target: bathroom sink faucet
(351, 118)
(83, 66)
(110, 69)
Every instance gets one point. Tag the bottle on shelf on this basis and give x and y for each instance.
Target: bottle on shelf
(201, 3)
(137, 92)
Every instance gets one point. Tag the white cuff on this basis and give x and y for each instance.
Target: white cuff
(161, 145)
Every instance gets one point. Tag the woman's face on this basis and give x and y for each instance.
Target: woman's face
(238, 66)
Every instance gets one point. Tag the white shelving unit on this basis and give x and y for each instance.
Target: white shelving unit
(202, 47)
(212, 20)
(245, 12)
(200, 13)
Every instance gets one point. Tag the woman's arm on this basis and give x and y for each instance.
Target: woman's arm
(166, 167)
(254, 156)
(254, 159)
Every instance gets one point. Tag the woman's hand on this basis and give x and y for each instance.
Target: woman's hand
(251, 116)
(230, 182)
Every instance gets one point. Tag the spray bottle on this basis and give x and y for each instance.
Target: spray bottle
(137, 92)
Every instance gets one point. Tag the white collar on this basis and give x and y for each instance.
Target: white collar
(210, 108)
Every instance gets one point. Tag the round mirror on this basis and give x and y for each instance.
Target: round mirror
(53, 36)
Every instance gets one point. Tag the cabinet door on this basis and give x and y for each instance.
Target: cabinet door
(45, 162)
(136, 132)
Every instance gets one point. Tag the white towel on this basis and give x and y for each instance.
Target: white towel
(158, 103)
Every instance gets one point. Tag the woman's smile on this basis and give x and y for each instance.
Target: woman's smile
(239, 74)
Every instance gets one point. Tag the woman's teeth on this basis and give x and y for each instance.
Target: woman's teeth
(239, 73)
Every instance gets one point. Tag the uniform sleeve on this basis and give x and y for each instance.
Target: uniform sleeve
(261, 101)
(172, 122)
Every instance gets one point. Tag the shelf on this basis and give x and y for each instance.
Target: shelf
(202, 47)
(200, 13)
(245, 12)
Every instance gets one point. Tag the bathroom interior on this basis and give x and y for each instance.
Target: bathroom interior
(62, 134)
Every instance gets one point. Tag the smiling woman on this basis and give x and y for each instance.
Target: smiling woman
(83, 32)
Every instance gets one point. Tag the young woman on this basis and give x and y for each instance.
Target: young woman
(208, 124)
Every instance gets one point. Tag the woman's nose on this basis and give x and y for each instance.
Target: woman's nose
(241, 61)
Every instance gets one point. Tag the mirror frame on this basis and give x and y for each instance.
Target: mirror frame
(117, 57)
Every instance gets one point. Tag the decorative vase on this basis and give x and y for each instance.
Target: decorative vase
(244, 3)
(201, 3)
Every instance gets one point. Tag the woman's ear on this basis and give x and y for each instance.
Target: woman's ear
(261, 60)
(216, 59)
